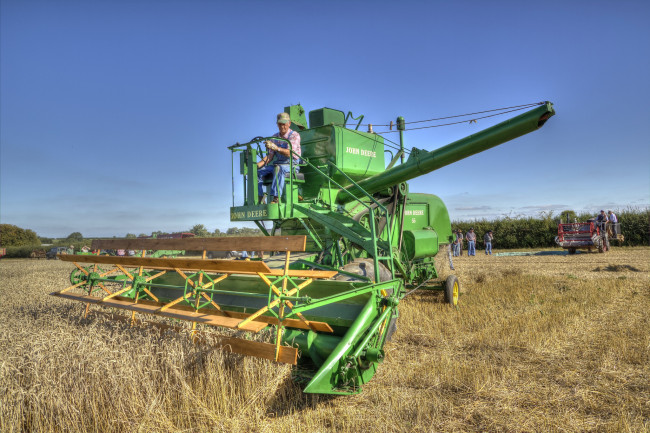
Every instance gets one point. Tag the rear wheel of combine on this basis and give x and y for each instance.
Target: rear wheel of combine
(452, 290)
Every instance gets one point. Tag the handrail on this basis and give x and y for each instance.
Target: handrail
(370, 212)
(373, 225)
(289, 197)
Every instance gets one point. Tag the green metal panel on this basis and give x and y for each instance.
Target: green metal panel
(297, 115)
(326, 116)
(243, 168)
(419, 244)
(358, 154)
(437, 215)
(416, 215)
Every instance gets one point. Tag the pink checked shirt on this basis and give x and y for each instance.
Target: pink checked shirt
(294, 138)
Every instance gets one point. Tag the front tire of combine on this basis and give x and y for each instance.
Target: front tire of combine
(452, 290)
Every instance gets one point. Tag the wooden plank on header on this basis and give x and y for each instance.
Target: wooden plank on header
(220, 266)
(248, 243)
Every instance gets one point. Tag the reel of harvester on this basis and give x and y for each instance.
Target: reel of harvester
(335, 328)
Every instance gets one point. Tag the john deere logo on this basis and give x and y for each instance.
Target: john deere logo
(362, 152)
(241, 215)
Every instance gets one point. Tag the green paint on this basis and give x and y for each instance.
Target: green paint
(354, 207)
(350, 206)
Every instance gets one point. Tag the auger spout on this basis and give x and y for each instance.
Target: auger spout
(421, 162)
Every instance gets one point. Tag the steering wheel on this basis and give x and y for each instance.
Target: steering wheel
(258, 140)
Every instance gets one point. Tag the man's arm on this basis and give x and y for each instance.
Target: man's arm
(268, 158)
(272, 147)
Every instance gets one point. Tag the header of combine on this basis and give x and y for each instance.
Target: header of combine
(347, 237)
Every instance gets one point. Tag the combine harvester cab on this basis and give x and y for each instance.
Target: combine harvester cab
(346, 236)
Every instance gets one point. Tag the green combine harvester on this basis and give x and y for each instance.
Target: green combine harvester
(346, 239)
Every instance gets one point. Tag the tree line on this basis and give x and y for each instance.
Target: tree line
(20, 242)
(509, 232)
(539, 232)
(201, 231)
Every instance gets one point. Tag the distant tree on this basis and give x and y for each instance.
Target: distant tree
(130, 236)
(567, 215)
(200, 231)
(45, 240)
(75, 237)
(14, 236)
(249, 231)
(232, 231)
(217, 233)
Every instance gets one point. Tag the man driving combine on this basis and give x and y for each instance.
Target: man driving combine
(278, 154)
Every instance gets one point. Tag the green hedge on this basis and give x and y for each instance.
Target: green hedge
(530, 232)
(24, 251)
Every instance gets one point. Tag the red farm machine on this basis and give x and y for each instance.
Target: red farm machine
(347, 239)
(588, 235)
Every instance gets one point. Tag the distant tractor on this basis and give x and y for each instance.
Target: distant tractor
(587, 235)
(38, 254)
(52, 253)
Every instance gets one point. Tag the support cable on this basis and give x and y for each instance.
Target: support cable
(503, 109)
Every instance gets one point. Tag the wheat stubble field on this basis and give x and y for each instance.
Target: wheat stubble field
(540, 343)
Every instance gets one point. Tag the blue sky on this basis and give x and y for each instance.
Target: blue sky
(115, 115)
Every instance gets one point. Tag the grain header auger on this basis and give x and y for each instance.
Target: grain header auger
(347, 234)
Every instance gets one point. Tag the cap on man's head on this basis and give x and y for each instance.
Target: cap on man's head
(284, 118)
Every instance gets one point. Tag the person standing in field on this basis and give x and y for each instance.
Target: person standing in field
(601, 220)
(487, 239)
(456, 243)
(611, 217)
(471, 242)
(459, 236)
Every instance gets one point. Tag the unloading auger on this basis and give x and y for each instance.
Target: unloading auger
(347, 236)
